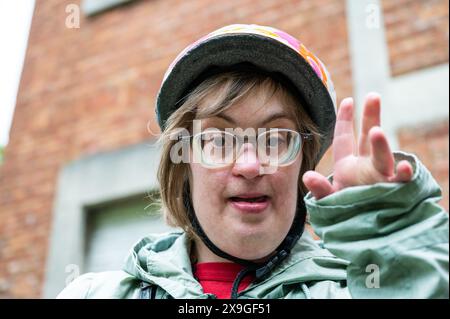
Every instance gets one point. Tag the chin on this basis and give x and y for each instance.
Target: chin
(249, 245)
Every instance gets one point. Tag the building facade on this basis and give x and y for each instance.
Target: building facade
(80, 164)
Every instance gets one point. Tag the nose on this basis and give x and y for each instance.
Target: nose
(247, 163)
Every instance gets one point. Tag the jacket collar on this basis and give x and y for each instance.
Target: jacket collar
(163, 260)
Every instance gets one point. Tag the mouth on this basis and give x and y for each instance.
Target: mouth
(249, 203)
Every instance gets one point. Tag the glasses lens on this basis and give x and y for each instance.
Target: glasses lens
(278, 147)
(275, 147)
(217, 147)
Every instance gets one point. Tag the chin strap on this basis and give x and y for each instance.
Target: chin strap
(261, 269)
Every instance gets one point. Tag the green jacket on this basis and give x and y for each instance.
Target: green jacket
(387, 240)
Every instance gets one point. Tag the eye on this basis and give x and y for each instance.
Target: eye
(218, 141)
(274, 140)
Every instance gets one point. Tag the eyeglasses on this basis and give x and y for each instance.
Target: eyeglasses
(274, 147)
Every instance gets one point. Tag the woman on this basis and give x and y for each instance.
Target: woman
(246, 113)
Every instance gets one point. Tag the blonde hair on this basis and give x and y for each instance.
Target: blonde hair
(223, 90)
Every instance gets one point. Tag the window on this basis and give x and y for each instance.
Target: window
(112, 229)
(99, 205)
(92, 7)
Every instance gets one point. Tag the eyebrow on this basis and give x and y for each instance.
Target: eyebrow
(271, 118)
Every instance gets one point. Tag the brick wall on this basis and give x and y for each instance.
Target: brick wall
(430, 142)
(417, 33)
(92, 89)
(417, 36)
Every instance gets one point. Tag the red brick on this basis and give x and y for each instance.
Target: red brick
(430, 142)
(81, 86)
(417, 33)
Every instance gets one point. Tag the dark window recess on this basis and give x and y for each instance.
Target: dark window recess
(113, 228)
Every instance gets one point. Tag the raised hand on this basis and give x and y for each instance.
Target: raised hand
(370, 162)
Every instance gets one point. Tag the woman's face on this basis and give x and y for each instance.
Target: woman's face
(222, 196)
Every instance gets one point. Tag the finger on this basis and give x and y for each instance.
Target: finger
(370, 118)
(381, 155)
(404, 173)
(317, 184)
(343, 142)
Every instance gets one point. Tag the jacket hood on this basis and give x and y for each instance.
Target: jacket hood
(163, 260)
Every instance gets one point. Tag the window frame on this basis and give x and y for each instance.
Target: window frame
(94, 7)
(88, 182)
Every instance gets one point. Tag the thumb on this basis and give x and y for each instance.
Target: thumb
(317, 184)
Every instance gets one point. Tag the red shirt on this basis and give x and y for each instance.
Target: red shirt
(217, 278)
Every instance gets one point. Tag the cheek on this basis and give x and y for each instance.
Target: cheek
(207, 185)
(285, 182)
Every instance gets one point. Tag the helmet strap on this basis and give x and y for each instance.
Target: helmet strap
(280, 253)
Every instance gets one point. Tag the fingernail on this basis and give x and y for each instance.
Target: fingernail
(374, 95)
(375, 129)
(347, 100)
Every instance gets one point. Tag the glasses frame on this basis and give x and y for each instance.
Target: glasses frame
(241, 139)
